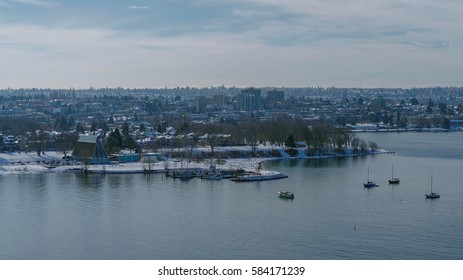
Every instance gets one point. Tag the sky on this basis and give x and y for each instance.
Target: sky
(262, 43)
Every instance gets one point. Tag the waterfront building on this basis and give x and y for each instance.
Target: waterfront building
(90, 149)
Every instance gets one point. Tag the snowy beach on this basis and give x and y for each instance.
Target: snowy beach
(23, 163)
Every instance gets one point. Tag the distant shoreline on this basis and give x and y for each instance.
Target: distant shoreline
(399, 130)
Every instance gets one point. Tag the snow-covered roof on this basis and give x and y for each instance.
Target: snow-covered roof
(87, 138)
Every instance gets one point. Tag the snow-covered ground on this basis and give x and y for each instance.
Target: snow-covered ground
(18, 163)
(21, 163)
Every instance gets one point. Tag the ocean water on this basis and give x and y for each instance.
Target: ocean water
(136, 216)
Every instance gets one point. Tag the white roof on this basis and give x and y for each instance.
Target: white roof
(87, 138)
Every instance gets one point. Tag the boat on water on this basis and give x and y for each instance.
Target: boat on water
(214, 174)
(432, 195)
(215, 177)
(394, 180)
(369, 184)
(184, 175)
(249, 178)
(286, 194)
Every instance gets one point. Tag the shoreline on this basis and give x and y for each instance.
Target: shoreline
(402, 130)
(20, 163)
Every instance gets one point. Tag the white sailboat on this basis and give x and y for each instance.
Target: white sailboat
(432, 194)
(394, 180)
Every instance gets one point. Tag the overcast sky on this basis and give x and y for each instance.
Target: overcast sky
(157, 43)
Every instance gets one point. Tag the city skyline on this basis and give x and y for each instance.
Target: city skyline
(262, 43)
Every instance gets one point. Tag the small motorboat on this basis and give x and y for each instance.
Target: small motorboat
(286, 194)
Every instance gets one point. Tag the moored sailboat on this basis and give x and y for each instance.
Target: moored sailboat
(394, 180)
(369, 184)
(432, 194)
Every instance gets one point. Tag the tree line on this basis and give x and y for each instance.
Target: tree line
(319, 139)
(283, 131)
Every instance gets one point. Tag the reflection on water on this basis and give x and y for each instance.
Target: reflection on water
(115, 181)
(86, 180)
(325, 162)
(149, 216)
(317, 162)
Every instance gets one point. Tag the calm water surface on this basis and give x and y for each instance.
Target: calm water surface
(135, 216)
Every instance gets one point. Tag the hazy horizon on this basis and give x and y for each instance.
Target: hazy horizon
(217, 86)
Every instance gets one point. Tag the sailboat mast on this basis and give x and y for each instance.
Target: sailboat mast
(431, 183)
(392, 171)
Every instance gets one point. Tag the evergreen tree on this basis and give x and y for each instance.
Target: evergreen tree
(61, 123)
(142, 128)
(80, 128)
(112, 142)
(69, 110)
(125, 129)
(443, 108)
(430, 103)
(290, 142)
(159, 129)
(127, 140)
(118, 138)
(111, 119)
(71, 121)
(446, 124)
(94, 125)
(103, 125)
(430, 106)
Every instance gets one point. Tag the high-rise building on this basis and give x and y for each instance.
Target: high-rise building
(274, 96)
(218, 100)
(249, 99)
(200, 104)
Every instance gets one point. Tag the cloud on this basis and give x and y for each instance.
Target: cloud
(252, 13)
(138, 7)
(433, 45)
(42, 3)
(240, 42)
(423, 24)
(59, 57)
